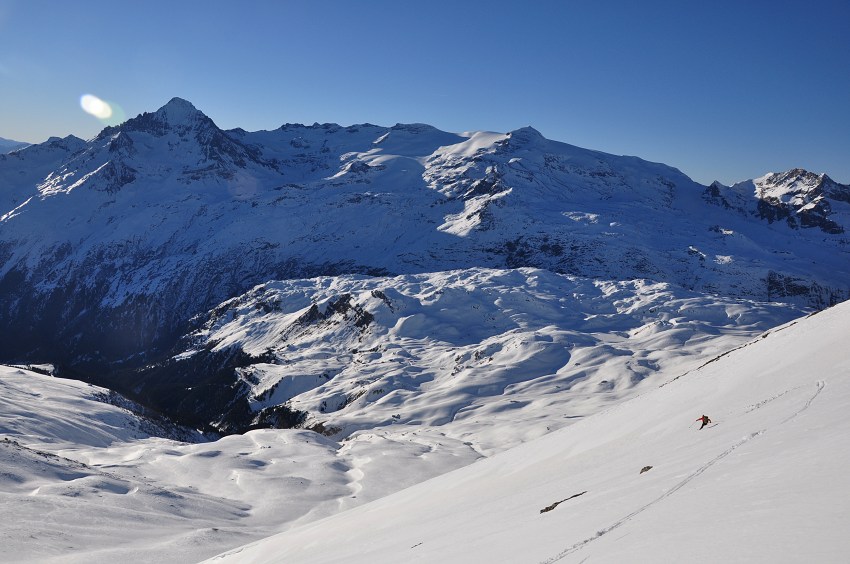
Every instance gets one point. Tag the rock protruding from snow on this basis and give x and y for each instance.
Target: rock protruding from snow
(798, 199)
(801, 198)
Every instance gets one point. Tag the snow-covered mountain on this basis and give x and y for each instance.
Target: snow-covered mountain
(411, 301)
(114, 250)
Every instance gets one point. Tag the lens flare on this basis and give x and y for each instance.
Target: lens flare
(95, 106)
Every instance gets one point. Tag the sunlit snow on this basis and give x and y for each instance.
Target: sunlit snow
(765, 482)
(89, 481)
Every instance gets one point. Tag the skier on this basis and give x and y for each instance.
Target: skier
(705, 421)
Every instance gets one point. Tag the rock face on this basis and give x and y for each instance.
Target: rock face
(802, 199)
(110, 247)
(799, 198)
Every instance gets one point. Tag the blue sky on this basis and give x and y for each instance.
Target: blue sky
(725, 90)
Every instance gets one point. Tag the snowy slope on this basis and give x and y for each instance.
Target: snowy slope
(452, 367)
(764, 482)
(56, 505)
(22, 171)
(50, 412)
(60, 510)
(159, 501)
(88, 481)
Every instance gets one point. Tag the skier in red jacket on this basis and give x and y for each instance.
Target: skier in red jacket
(705, 421)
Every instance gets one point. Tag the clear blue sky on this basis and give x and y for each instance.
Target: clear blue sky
(725, 90)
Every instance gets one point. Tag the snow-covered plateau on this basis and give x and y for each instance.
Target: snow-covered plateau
(398, 344)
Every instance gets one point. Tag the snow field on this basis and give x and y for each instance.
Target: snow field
(116, 492)
(763, 483)
(454, 367)
(86, 484)
(471, 350)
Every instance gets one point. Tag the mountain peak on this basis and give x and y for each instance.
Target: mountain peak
(793, 175)
(796, 180)
(178, 115)
(526, 132)
(69, 142)
(524, 136)
(179, 112)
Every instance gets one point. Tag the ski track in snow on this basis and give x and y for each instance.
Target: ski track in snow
(820, 385)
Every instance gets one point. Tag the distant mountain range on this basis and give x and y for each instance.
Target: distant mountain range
(116, 252)
(7, 145)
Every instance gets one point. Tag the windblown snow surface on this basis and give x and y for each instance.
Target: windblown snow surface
(766, 482)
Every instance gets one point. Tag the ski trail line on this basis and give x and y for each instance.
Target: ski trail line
(821, 384)
(581, 544)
